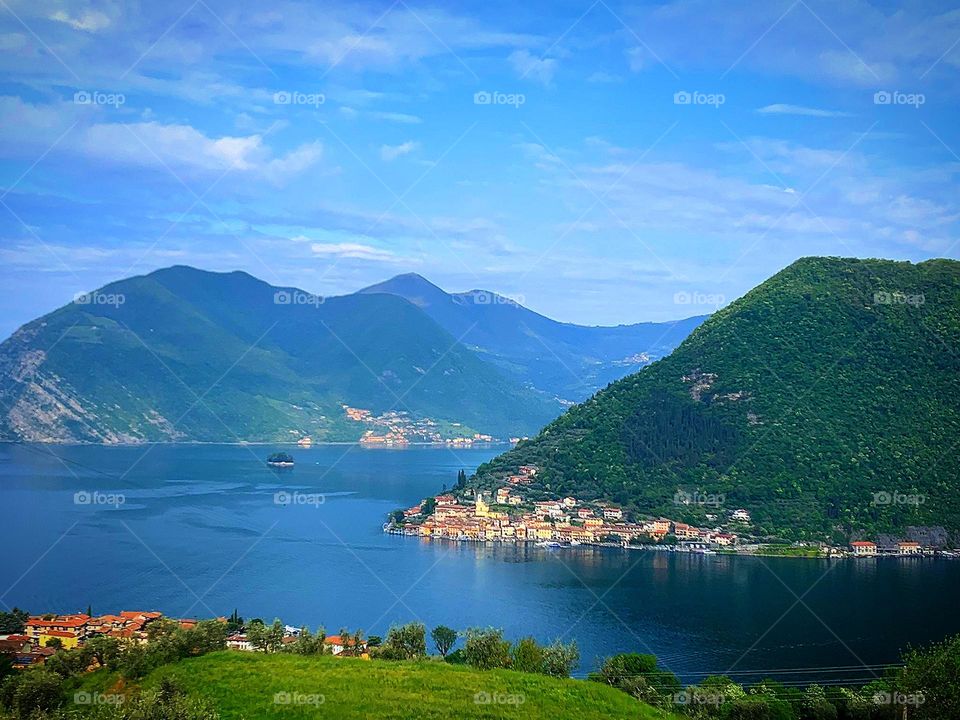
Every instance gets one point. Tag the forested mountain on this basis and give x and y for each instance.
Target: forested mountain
(183, 354)
(569, 361)
(825, 401)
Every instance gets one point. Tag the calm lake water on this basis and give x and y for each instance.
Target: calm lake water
(199, 533)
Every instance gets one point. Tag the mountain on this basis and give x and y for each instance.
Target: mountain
(825, 401)
(183, 354)
(568, 361)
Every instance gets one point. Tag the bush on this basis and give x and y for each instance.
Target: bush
(527, 656)
(405, 642)
(486, 649)
(559, 660)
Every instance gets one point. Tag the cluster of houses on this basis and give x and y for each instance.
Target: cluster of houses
(335, 643)
(44, 634)
(866, 548)
(565, 521)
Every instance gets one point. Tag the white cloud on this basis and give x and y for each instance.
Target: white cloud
(356, 251)
(397, 117)
(88, 21)
(785, 109)
(533, 67)
(389, 153)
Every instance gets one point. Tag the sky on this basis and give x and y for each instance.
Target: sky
(600, 162)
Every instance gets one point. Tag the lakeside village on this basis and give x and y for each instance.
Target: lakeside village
(394, 429)
(568, 522)
(44, 635)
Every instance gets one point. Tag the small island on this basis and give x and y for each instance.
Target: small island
(280, 460)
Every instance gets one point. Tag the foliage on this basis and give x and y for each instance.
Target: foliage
(486, 649)
(13, 622)
(444, 638)
(930, 681)
(406, 642)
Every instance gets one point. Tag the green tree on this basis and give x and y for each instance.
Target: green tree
(13, 622)
(560, 659)
(527, 656)
(407, 642)
(486, 649)
(444, 638)
(929, 683)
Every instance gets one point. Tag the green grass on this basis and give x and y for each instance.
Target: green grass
(244, 685)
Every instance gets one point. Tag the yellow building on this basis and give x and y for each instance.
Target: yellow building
(68, 639)
(481, 509)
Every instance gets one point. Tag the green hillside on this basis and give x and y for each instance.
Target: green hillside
(193, 355)
(246, 685)
(825, 401)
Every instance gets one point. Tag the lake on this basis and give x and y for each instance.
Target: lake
(199, 533)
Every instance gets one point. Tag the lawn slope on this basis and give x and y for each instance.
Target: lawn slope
(244, 685)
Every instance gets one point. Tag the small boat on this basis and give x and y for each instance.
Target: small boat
(549, 544)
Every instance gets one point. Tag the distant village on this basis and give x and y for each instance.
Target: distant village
(44, 635)
(395, 428)
(506, 516)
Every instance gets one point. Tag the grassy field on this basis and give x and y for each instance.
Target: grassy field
(250, 686)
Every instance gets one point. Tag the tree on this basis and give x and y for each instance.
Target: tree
(234, 622)
(930, 681)
(559, 659)
(527, 656)
(257, 635)
(444, 638)
(37, 689)
(461, 480)
(485, 649)
(429, 505)
(13, 622)
(54, 643)
(104, 649)
(407, 642)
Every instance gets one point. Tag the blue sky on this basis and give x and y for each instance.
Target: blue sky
(602, 162)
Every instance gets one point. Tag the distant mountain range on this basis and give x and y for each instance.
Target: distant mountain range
(826, 402)
(568, 361)
(187, 355)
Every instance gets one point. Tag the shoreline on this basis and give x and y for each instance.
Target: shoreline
(260, 443)
(936, 555)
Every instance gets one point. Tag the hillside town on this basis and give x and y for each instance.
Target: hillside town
(505, 515)
(397, 429)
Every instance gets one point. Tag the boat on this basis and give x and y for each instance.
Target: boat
(280, 460)
(549, 544)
